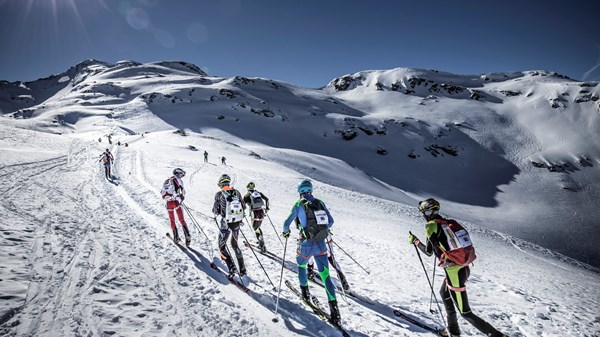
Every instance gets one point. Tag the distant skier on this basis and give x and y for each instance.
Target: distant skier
(205, 157)
(315, 221)
(174, 194)
(229, 204)
(256, 200)
(223, 161)
(107, 159)
(453, 291)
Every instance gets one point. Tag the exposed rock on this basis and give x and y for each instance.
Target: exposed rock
(366, 130)
(509, 93)
(264, 112)
(381, 151)
(227, 92)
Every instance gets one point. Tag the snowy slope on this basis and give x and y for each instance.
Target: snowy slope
(87, 257)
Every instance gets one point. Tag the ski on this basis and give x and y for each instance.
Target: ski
(316, 308)
(413, 321)
(173, 239)
(233, 281)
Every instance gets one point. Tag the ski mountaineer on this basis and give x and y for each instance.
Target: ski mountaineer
(223, 161)
(229, 204)
(107, 159)
(205, 156)
(174, 194)
(315, 221)
(257, 200)
(453, 291)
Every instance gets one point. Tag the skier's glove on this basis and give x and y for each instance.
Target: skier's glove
(413, 239)
(286, 234)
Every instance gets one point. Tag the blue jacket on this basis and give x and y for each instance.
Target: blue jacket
(299, 212)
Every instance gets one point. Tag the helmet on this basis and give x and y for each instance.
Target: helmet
(224, 181)
(305, 186)
(430, 205)
(178, 171)
(251, 186)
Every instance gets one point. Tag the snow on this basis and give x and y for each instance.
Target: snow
(84, 256)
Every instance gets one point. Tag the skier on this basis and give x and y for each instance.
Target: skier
(107, 159)
(174, 194)
(223, 161)
(315, 221)
(453, 291)
(257, 200)
(205, 157)
(229, 204)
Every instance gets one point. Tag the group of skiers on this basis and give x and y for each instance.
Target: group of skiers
(223, 159)
(447, 240)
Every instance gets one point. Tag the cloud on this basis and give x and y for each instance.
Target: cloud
(197, 33)
(138, 18)
(591, 70)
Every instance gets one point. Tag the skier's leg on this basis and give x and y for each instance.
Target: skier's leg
(459, 294)
(323, 268)
(223, 236)
(171, 210)
(235, 227)
(186, 230)
(453, 327)
(336, 265)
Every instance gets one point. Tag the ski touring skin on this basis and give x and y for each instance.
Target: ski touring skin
(316, 308)
(421, 325)
(233, 281)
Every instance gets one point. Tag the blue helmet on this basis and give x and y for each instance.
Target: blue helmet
(305, 186)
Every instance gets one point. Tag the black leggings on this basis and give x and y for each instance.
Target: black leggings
(226, 229)
(453, 293)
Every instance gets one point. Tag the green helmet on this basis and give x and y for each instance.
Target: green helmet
(430, 205)
(250, 186)
(224, 181)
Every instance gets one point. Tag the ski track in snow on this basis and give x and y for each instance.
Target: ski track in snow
(89, 258)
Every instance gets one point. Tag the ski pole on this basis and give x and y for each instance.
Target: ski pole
(257, 259)
(429, 281)
(433, 285)
(272, 225)
(187, 210)
(351, 257)
(276, 319)
(336, 266)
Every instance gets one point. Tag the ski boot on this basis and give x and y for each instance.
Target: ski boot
(334, 313)
(188, 238)
(176, 236)
(305, 293)
(445, 333)
(232, 272)
(261, 247)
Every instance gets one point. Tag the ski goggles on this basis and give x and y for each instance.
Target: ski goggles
(429, 212)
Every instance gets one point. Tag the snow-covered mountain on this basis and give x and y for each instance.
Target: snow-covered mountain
(516, 152)
(514, 156)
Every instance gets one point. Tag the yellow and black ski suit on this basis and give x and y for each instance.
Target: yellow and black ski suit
(453, 290)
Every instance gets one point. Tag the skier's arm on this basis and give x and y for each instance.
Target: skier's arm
(290, 218)
(265, 199)
(328, 215)
(217, 204)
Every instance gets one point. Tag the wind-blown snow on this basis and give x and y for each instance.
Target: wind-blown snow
(83, 256)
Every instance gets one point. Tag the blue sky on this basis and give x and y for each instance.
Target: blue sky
(306, 42)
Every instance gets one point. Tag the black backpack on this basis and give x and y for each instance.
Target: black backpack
(317, 221)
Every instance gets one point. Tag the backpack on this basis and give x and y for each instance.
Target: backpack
(233, 207)
(460, 247)
(168, 190)
(317, 221)
(256, 200)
